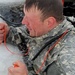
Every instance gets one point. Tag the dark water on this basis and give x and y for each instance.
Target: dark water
(13, 14)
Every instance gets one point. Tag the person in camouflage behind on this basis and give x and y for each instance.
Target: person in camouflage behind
(42, 24)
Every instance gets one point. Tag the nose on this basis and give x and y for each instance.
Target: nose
(24, 21)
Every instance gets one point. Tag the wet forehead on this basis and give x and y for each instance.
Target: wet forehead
(32, 12)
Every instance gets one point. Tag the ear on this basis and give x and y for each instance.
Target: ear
(51, 21)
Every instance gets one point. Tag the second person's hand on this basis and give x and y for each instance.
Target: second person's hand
(18, 68)
(3, 30)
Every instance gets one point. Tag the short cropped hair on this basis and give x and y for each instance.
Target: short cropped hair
(47, 7)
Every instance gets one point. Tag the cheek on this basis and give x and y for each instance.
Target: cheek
(35, 25)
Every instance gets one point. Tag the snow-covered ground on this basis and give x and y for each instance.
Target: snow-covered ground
(7, 58)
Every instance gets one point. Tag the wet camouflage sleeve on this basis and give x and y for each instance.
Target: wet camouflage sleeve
(15, 33)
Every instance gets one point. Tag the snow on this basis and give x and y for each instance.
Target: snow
(7, 58)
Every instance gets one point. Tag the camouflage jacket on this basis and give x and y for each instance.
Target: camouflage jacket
(61, 59)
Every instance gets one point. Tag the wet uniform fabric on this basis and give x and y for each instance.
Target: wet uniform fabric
(60, 61)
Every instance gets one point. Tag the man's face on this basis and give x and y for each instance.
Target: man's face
(34, 23)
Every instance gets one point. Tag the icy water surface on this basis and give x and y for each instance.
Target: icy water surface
(14, 15)
(7, 58)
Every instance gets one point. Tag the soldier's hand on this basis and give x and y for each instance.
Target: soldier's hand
(3, 30)
(19, 68)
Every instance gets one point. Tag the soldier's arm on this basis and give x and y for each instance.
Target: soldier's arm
(17, 34)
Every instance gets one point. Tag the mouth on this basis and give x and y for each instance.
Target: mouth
(28, 31)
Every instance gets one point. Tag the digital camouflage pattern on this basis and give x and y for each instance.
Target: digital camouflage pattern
(60, 61)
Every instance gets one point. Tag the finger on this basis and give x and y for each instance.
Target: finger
(1, 39)
(2, 31)
(15, 65)
(10, 71)
(1, 35)
(2, 26)
(14, 71)
(0, 42)
(22, 67)
(19, 63)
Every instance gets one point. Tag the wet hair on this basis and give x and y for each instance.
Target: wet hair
(47, 7)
